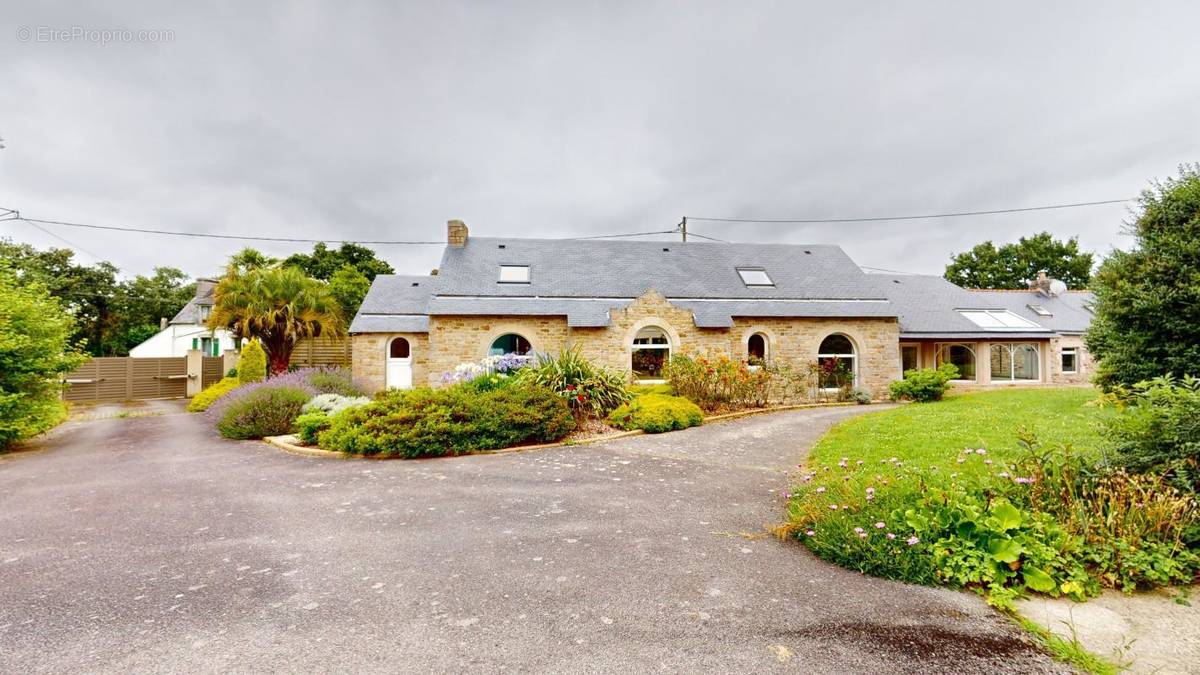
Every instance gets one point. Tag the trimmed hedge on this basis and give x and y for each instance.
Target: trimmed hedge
(455, 420)
(924, 385)
(200, 402)
(656, 413)
(267, 411)
(252, 366)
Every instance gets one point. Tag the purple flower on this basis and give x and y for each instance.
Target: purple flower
(1021, 480)
(820, 489)
(891, 535)
(912, 541)
(862, 535)
(880, 525)
(810, 533)
(858, 530)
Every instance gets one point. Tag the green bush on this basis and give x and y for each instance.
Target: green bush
(267, 411)
(716, 381)
(925, 384)
(252, 366)
(1158, 431)
(453, 420)
(35, 350)
(309, 426)
(200, 402)
(860, 395)
(655, 413)
(643, 389)
(590, 391)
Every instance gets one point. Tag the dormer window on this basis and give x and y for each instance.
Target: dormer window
(754, 276)
(204, 311)
(514, 274)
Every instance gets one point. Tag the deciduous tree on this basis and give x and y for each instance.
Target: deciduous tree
(1014, 265)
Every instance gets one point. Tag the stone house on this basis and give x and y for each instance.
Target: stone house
(629, 305)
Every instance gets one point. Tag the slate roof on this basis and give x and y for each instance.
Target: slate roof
(190, 314)
(927, 307)
(585, 279)
(395, 303)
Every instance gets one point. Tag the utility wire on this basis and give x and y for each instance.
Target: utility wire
(220, 236)
(73, 245)
(697, 234)
(630, 234)
(921, 217)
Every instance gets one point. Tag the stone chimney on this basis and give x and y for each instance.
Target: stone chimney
(456, 233)
(163, 322)
(1041, 284)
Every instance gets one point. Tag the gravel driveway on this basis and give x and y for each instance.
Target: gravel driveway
(151, 545)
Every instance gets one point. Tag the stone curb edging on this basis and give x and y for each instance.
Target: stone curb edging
(288, 442)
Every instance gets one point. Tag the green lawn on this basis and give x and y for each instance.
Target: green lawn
(934, 434)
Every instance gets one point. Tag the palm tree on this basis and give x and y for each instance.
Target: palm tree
(279, 306)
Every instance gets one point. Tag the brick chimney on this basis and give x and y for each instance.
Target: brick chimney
(456, 233)
(1041, 284)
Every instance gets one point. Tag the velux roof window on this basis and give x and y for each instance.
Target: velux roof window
(1039, 310)
(514, 274)
(997, 319)
(754, 276)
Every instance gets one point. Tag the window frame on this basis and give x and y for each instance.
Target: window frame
(635, 347)
(518, 336)
(852, 357)
(969, 346)
(1012, 348)
(1004, 320)
(915, 346)
(1074, 352)
(741, 275)
(505, 266)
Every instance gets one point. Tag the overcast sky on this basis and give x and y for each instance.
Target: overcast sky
(335, 120)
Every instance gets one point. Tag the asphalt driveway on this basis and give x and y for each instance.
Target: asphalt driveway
(151, 545)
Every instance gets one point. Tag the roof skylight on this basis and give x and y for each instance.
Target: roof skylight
(754, 276)
(997, 319)
(1039, 310)
(514, 274)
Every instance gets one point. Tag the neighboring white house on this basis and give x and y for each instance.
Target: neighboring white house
(187, 330)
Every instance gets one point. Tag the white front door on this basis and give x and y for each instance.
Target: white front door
(399, 364)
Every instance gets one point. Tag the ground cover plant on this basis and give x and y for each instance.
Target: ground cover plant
(316, 415)
(952, 493)
(201, 402)
(453, 420)
(656, 413)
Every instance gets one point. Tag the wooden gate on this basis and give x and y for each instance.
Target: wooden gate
(211, 371)
(122, 378)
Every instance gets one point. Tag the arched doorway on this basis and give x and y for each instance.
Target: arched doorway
(651, 350)
(756, 349)
(399, 364)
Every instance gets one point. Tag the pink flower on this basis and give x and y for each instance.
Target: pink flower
(890, 535)
(862, 535)
(1003, 474)
(820, 490)
(987, 461)
(787, 495)
(810, 533)
(858, 530)
(833, 507)
(912, 541)
(961, 460)
(880, 525)
(981, 451)
(1021, 480)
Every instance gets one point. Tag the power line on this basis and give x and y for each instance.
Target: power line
(219, 236)
(697, 234)
(68, 243)
(629, 234)
(922, 217)
(884, 269)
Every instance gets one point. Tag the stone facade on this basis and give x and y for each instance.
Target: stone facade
(1084, 365)
(368, 358)
(458, 339)
(1049, 367)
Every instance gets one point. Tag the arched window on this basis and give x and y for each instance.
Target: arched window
(651, 351)
(837, 361)
(510, 343)
(756, 349)
(961, 355)
(398, 349)
(1015, 362)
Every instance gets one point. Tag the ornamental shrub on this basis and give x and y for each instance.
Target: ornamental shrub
(454, 420)
(309, 425)
(252, 366)
(266, 411)
(333, 403)
(201, 402)
(656, 413)
(1158, 431)
(35, 351)
(925, 384)
(590, 391)
(860, 395)
(332, 380)
(716, 381)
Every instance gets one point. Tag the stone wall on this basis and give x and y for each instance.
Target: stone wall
(369, 358)
(458, 339)
(1085, 367)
